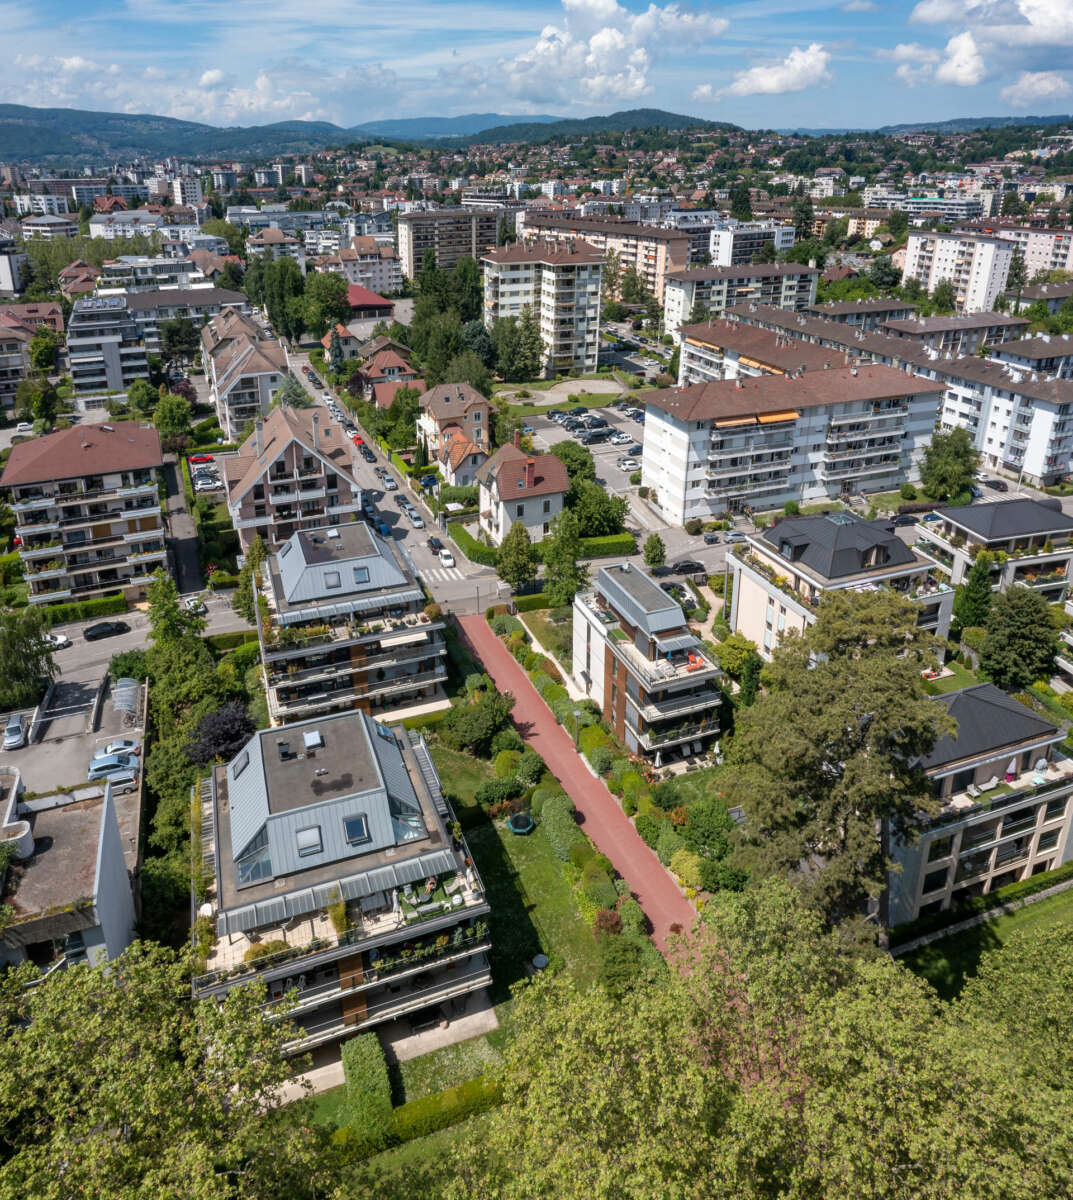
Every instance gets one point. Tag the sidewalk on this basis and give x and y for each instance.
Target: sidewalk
(601, 816)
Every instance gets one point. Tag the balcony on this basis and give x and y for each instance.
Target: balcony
(854, 471)
(884, 414)
(32, 552)
(662, 707)
(52, 569)
(652, 739)
(315, 701)
(50, 596)
(147, 555)
(1009, 793)
(32, 528)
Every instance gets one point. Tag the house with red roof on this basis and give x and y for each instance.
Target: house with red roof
(519, 486)
(348, 343)
(366, 305)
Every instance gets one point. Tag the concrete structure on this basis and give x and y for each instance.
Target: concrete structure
(738, 242)
(963, 334)
(863, 314)
(245, 368)
(144, 272)
(272, 243)
(151, 308)
(635, 655)
(346, 628)
(13, 260)
(449, 233)
(757, 443)
(88, 511)
(125, 224)
(1041, 249)
(14, 359)
(31, 204)
(105, 346)
(560, 284)
(331, 839)
(517, 486)
(976, 265)
(454, 425)
(367, 263)
(783, 285)
(1051, 295)
(1044, 355)
(720, 350)
(782, 573)
(48, 227)
(186, 190)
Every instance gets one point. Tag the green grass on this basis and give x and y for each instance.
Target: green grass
(694, 785)
(961, 678)
(417, 1170)
(947, 963)
(462, 775)
(594, 400)
(553, 629)
(325, 1108)
(445, 1068)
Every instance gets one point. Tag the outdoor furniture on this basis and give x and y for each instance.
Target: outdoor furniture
(973, 790)
(991, 784)
(1038, 779)
(453, 885)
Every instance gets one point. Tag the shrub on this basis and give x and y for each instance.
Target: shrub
(629, 805)
(614, 545)
(129, 664)
(505, 763)
(590, 738)
(649, 827)
(263, 949)
(643, 492)
(791, 508)
(560, 826)
(607, 923)
(496, 791)
(486, 556)
(632, 784)
(532, 603)
(581, 854)
(601, 760)
(635, 478)
(80, 610)
(907, 491)
(507, 739)
(533, 661)
(631, 914)
(693, 526)
(518, 648)
(716, 876)
(433, 612)
(475, 682)
(598, 886)
(529, 768)
(551, 670)
(554, 694)
(425, 1115)
(686, 865)
(368, 1089)
(668, 844)
(973, 636)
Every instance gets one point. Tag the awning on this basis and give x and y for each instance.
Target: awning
(679, 641)
(732, 421)
(404, 639)
(771, 418)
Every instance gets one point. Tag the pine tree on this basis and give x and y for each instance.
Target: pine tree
(655, 551)
(516, 563)
(530, 350)
(973, 600)
(335, 353)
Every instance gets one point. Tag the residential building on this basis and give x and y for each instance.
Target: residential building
(948, 208)
(783, 285)
(368, 306)
(245, 368)
(713, 447)
(448, 233)
(105, 346)
(720, 350)
(224, 181)
(345, 628)
(1051, 295)
(366, 262)
(88, 511)
(14, 359)
(42, 312)
(738, 242)
(1041, 249)
(384, 372)
(29, 204)
(1046, 354)
(963, 334)
(126, 224)
(13, 260)
(976, 265)
(272, 243)
(518, 486)
(782, 573)
(144, 272)
(78, 279)
(151, 308)
(654, 253)
(349, 345)
(455, 417)
(295, 471)
(1003, 785)
(186, 190)
(862, 314)
(331, 839)
(1029, 542)
(560, 284)
(635, 655)
(48, 227)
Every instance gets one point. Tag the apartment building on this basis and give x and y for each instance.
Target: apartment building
(245, 368)
(125, 224)
(49, 226)
(738, 242)
(1051, 295)
(1042, 249)
(87, 511)
(294, 472)
(963, 334)
(144, 272)
(756, 443)
(367, 263)
(105, 346)
(653, 252)
(272, 243)
(561, 285)
(31, 204)
(518, 486)
(977, 266)
(345, 628)
(1003, 785)
(337, 880)
(186, 190)
(783, 285)
(1045, 354)
(13, 260)
(448, 233)
(1029, 542)
(455, 429)
(861, 314)
(14, 359)
(152, 308)
(720, 350)
(782, 573)
(949, 208)
(635, 655)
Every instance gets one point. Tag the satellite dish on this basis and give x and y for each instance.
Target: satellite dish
(875, 244)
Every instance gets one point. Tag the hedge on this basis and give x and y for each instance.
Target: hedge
(219, 580)
(486, 556)
(424, 720)
(219, 642)
(81, 610)
(619, 544)
(590, 738)
(368, 1089)
(441, 1109)
(532, 602)
(504, 623)
(559, 825)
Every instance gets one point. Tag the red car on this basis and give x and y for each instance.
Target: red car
(200, 458)
(305, 370)
(358, 440)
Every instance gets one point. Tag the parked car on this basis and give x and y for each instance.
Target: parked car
(401, 501)
(580, 411)
(711, 539)
(119, 746)
(105, 629)
(434, 544)
(389, 484)
(416, 520)
(905, 519)
(447, 559)
(619, 438)
(626, 464)
(428, 481)
(687, 566)
(58, 641)
(596, 423)
(975, 492)
(383, 529)
(368, 455)
(195, 605)
(305, 370)
(201, 458)
(734, 535)
(555, 413)
(998, 485)
(527, 429)
(15, 732)
(113, 764)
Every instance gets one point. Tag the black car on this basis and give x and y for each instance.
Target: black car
(711, 539)
(661, 571)
(555, 413)
(434, 544)
(401, 500)
(634, 451)
(905, 519)
(367, 454)
(105, 629)
(593, 436)
(580, 411)
(999, 485)
(687, 566)
(596, 423)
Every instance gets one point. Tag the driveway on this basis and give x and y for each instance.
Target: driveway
(602, 818)
(182, 537)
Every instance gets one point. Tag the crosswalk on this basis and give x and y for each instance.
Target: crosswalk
(441, 574)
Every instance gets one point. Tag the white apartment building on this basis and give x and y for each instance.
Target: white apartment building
(49, 226)
(1045, 354)
(756, 443)
(273, 243)
(244, 368)
(366, 263)
(29, 204)
(1042, 249)
(561, 285)
(187, 190)
(958, 207)
(739, 242)
(783, 285)
(718, 350)
(124, 224)
(976, 265)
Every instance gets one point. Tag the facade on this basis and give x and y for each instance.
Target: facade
(976, 265)
(635, 655)
(730, 350)
(330, 843)
(561, 286)
(143, 272)
(739, 242)
(151, 308)
(449, 233)
(957, 335)
(516, 486)
(186, 190)
(14, 358)
(88, 511)
(272, 243)
(346, 629)
(33, 315)
(1051, 295)
(713, 447)
(244, 367)
(290, 474)
(863, 314)
(783, 285)
(13, 262)
(782, 573)
(105, 346)
(49, 226)
(451, 409)
(125, 224)
(1046, 354)
(1003, 787)
(1030, 542)
(1042, 249)
(367, 263)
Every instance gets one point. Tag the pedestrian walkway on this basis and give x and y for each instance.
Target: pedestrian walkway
(601, 816)
(441, 574)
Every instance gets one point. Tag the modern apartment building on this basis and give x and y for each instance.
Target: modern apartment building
(1030, 543)
(295, 471)
(720, 350)
(14, 359)
(30, 204)
(105, 346)
(345, 628)
(87, 511)
(654, 253)
(337, 882)
(1004, 785)
(123, 224)
(144, 272)
(13, 260)
(635, 655)
(759, 442)
(186, 190)
(783, 285)
(976, 265)
(152, 308)
(963, 334)
(272, 243)
(782, 573)
(245, 368)
(448, 233)
(738, 242)
(561, 285)
(515, 485)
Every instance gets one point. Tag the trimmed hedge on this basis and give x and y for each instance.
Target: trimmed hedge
(441, 1109)
(504, 624)
(219, 642)
(368, 1089)
(424, 720)
(486, 556)
(559, 825)
(615, 544)
(532, 603)
(81, 610)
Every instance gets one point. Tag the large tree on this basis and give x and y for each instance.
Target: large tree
(944, 296)
(179, 339)
(564, 576)
(578, 460)
(516, 561)
(465, 289)
(598, 512)
(44, 346)
(1021, 639)
(972, 601)
(325, 302)
(36, 399)
(741, 205)
(949, 465)
(25, 658)
(172, 415)
(655, 552)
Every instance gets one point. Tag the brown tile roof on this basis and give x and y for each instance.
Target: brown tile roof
(382, 361)
(507, 468)
(744, 271)
(382, 342)
(83, 450)
(458, 448)
(271, 237)
(281, 427)
(451, 400)
(763, 346)
(552, 253)
(384, 392)
(918, 326)
(618, 228)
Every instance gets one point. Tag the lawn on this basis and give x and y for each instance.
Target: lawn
(444, 1068)
(961, 678)
(415, 1169)
(553, 628)
(591, 400)
(694, 785)
(462, 775)
(947, 963)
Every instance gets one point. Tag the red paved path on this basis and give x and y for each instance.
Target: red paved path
(602, 818)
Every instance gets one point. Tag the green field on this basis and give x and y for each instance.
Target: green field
(553, 629)
(961, 678)
(415, 1169)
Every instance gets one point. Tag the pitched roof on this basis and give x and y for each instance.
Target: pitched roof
(360, 297)
(919, 326)
(282, 426)
(384, 360)
(458, 448)
(384, 392)
(1008, 518)
(988, 720)
(839, 545)
(271, 237)
(450, 400)
(507, 468)
(382, 342)
(771, 349)
(742, 271)
(551, 253)
(83, 450)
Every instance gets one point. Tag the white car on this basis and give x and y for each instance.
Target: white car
(621, 439)
(195, 605)
(24, 427)
(627, 464)
(416, 520)
(447, 559)
(58, 641)
(119, 746)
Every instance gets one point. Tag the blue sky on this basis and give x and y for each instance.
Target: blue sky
(758, 63)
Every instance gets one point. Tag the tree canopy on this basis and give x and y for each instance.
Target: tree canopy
(26, 664)
(516, 562)
(949, 465)
(1021, 639)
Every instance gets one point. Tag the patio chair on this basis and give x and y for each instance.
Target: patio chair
(991, 784)
(453, 885)
(973, 790)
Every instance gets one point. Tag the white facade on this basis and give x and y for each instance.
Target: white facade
(783, 285)
(738, 243)
(1043, 249)
(186, 190)
(977, 266)
(29, 204)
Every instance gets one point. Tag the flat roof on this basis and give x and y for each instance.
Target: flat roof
(1008, 518)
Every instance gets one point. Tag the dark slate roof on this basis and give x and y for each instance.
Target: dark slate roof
(1007, 519)
(835, 546)
(987, 720)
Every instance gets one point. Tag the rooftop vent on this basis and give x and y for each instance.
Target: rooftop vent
(312, 738)
(333, 533)
(108, 428)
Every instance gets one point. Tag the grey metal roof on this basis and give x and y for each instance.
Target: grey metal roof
(988, 720)
(632, 592)
(840, 545)
(340, 562)
(1008, 518)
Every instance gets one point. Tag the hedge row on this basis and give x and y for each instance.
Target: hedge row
(615, 544)
(560, 827)
(219, 642)
(368, 1090)
(441, 1109)
(425, 719)
(532, 603)
(81, 610)
(486, 556)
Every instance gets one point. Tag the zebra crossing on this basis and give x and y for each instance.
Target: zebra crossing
(441, 574)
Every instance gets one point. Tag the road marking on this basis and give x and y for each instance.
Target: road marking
(442, 574)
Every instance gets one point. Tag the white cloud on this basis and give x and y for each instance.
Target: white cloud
(860, 6)
(703, 92)
(211, 79)
(1003, 23)
(963, 65)
(910, 52)
(800, 69)
(1036, 87)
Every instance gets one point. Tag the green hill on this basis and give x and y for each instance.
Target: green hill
(619, 122)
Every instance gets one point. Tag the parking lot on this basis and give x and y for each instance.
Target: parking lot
(606, 454)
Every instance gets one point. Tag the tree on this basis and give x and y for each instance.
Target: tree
(655, 552)
(244, 601)
(598, 513)
(578, 461)
(142, 396)
(1021, 640)
(564, 576)
(612, 272)
(172, 415)
(741, 206)
(36, 399)
(884, 274)
(234, 235)
(699, 313)
(505, 232)
(734, 652)
(1017, 275)
(221, 734)
(944, 297)
(477, 338)
(473, 726)
(898, 224)
(179, 339)
(173, 1089)
(25, 658)
(632, 288)
(972, 601)
(325, 302)
(750, 679)
(467, 367)
(530, 350)
(949, 464)
(804, 216)
(44, 346)
(465, 289)
(168, 621)
(231, 278)
(516, 563)
(282, 290)
(335, 352)
(291, 394)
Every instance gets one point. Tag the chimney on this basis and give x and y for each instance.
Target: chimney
(316, 431)
(258, 435)
(530, 472)
(517, 439)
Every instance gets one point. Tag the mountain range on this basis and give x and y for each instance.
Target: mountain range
(951, 125)
(427, 128)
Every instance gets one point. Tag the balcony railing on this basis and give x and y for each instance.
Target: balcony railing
(679, 733)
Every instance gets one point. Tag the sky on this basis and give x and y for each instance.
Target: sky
(756, 63)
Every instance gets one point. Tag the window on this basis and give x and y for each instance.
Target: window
(519, 510)
(935, 880)
(308, 841)
(940, 848)
(1048, 840)
(241, 763)
(332, 579)
(285, 550)
(356, 830)
(547, 506)
(361, 574)
(1056, 808)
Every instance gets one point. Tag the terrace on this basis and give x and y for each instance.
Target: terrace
(1004, 790)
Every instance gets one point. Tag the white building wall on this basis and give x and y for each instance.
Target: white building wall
(590, 640)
